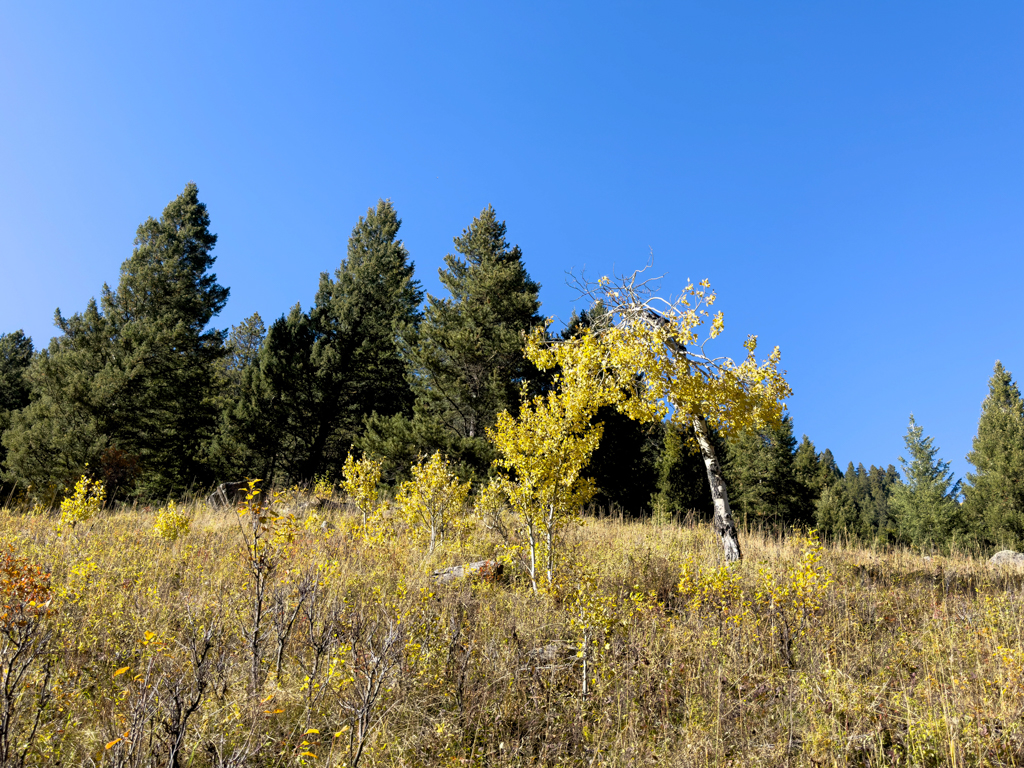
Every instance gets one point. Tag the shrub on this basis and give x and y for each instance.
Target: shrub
(433, 499)
(83, 505)
(171, 522)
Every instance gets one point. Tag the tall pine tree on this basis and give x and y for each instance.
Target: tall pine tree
(761, 474)
(994, 495)
(319, 375)
(682, 480)
(814, 472)
(466, 360)
(136, 375)
(926, 504)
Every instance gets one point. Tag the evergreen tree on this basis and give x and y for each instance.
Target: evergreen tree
(877, 516)
(317, 377)
(242, 350)
(994, 496)
(835, 513)
(15, 356)
(232, 450)
(466, 360)
(761, 475)
(136, 378)
(682, 480)
(59, 433)
(814, 473)
(267, 426)
(164, 409)
(854, 505)
(925, 504)
(358, 319)
(858, 487)
(806, 467)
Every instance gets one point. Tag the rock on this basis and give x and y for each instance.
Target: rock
(488, 570)
(1007, 558)
(553, 653)
(227, 494)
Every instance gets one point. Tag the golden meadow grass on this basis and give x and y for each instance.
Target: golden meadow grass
(283, 639)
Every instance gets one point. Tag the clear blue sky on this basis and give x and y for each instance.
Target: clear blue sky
(850, 176)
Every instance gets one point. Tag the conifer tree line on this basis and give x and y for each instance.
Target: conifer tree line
(140, 391)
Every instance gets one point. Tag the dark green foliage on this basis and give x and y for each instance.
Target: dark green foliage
(835, 512)
(994, 495)
(814, 471)
(53, 439)
(624, 466)
(318, 376)
(242, 350)
(15, 356)
(268, 426)
(682, 481)
(925, 505)
(358, 318)
(132, 381)
(760, 473)
(856, 505)
(164, 411)
(466, 360)
(876, 516)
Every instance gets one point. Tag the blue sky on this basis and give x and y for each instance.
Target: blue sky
(849, 176)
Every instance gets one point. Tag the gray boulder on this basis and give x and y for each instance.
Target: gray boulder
(1007, 557)
(488, 570)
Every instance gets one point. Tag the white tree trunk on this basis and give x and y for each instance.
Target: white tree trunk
(531, 532)
(722, 522)
(549, 540)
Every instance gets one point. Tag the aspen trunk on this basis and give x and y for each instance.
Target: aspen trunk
(549, 539)
(532, 534)
(723, 522)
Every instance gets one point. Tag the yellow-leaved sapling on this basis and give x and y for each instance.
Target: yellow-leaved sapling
(323, 486)
(433, 500)
(172, 522)
(83, 504)
(361, 484)
(794, 601)
(542, 454)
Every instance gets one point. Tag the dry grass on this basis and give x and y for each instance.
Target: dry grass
(337, 647)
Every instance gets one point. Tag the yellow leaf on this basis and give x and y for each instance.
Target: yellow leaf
(112, 743)
(121, 671)
(307, 754)
(312, 730)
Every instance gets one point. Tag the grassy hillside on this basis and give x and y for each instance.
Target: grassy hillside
(322, 643)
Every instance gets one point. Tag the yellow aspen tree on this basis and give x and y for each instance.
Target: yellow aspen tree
(651, 361)
(543, 453)
(433, 499)
(361, 482)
